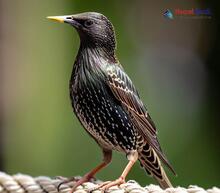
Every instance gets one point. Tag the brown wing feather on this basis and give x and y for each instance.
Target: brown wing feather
(124, 90)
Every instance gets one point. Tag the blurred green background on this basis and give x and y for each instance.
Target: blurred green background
(173, 63)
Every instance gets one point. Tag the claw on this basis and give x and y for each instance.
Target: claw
(117, 182)
(65, 181)
(98, 186)
(108, 184)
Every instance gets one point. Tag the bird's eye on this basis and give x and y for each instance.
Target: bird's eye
(88, 23)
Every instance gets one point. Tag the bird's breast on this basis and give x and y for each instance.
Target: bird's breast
(104, 118)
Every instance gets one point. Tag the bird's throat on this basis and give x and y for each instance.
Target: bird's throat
(104, 51)
(95, 57)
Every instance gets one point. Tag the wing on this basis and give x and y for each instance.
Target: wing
(124, 90)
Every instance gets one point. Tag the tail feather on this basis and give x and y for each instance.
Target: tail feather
(152, 165)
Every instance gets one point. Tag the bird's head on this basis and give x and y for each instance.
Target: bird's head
(94, 29)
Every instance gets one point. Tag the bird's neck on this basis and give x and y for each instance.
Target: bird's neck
(102, 52)
(93, 59)
(90, 65)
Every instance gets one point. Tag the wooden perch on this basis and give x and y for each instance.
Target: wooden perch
(21, 183)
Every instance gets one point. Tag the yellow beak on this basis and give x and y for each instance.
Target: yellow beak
(60, 19)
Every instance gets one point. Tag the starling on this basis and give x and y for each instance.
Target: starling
(107, 104)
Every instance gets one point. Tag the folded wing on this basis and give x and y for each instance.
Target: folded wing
(124, 90)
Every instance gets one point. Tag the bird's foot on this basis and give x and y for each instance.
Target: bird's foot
(77, 181)
(65, 181)
(108, 184)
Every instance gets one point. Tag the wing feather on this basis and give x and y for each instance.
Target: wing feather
(124, 90)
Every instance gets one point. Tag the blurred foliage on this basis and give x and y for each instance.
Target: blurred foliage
(169, 62)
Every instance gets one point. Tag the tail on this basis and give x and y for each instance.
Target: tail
(152, 165)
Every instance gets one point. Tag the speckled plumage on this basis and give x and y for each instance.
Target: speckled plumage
(98, 111)
(105, 100)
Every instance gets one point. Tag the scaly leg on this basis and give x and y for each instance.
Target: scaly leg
(107, 156)
(132, 157)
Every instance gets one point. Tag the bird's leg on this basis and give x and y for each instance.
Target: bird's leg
(132, 157)
(107, 156)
